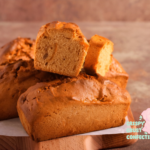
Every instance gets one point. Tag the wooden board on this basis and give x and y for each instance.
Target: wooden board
(91, 142)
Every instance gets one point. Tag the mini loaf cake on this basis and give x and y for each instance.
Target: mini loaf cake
(117, 74)
(72, 106)
(98, 58)
(20, 48)
(16, 78)
(60, 48)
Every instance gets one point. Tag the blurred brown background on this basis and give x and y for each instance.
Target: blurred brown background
(75, 10)
(125, 22)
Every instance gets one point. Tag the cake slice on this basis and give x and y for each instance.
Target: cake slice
(98, 58)
(117, 74)
(60, 48)
(72, 106)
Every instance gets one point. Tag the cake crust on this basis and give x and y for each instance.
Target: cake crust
(117, 74)
(19, 48)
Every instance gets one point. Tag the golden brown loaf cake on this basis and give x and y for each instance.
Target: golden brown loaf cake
(117, 74)
(60, 48)
(19, 48)
(72, 106)
(16, 78)
(98, 58)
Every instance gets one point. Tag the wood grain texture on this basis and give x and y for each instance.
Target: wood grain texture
(17, 143)
(71, 10)
(69, 143)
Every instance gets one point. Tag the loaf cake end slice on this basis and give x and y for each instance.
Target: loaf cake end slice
(98, 58)
(60, 48)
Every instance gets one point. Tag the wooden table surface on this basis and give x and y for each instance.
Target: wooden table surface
(131, 48)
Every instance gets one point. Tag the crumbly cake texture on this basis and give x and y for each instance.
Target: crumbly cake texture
(117, 74)
(60, 48)
(16, 78)
(72, 106)
(98, 58)
(19, 48)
